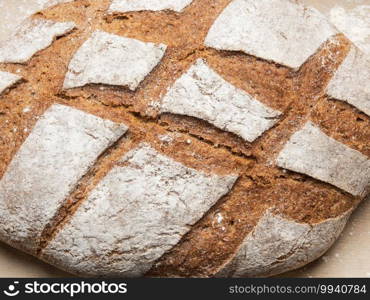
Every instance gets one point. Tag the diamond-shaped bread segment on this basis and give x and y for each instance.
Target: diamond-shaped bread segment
(113, 60)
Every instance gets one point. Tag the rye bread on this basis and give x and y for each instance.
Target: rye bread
(160, 138)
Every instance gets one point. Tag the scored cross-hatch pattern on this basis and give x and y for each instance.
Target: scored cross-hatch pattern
(62, 134)
(141, 209)
(154, 5)
(180, 197)
(140, 160)
(62, 146)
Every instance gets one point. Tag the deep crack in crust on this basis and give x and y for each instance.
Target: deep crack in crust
(299, 95)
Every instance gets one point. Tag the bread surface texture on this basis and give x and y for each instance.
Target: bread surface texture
(162, 139)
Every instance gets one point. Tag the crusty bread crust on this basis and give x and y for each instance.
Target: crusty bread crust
(276, 212)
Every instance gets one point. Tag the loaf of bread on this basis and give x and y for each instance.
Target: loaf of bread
(180, 138)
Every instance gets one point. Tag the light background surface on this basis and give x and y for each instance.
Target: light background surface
(350, 255)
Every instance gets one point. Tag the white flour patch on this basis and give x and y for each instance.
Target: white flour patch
(311, 152)
(32, 36)
(354, 23)
(282, 31)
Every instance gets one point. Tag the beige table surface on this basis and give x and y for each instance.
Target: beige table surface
(350, 255)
